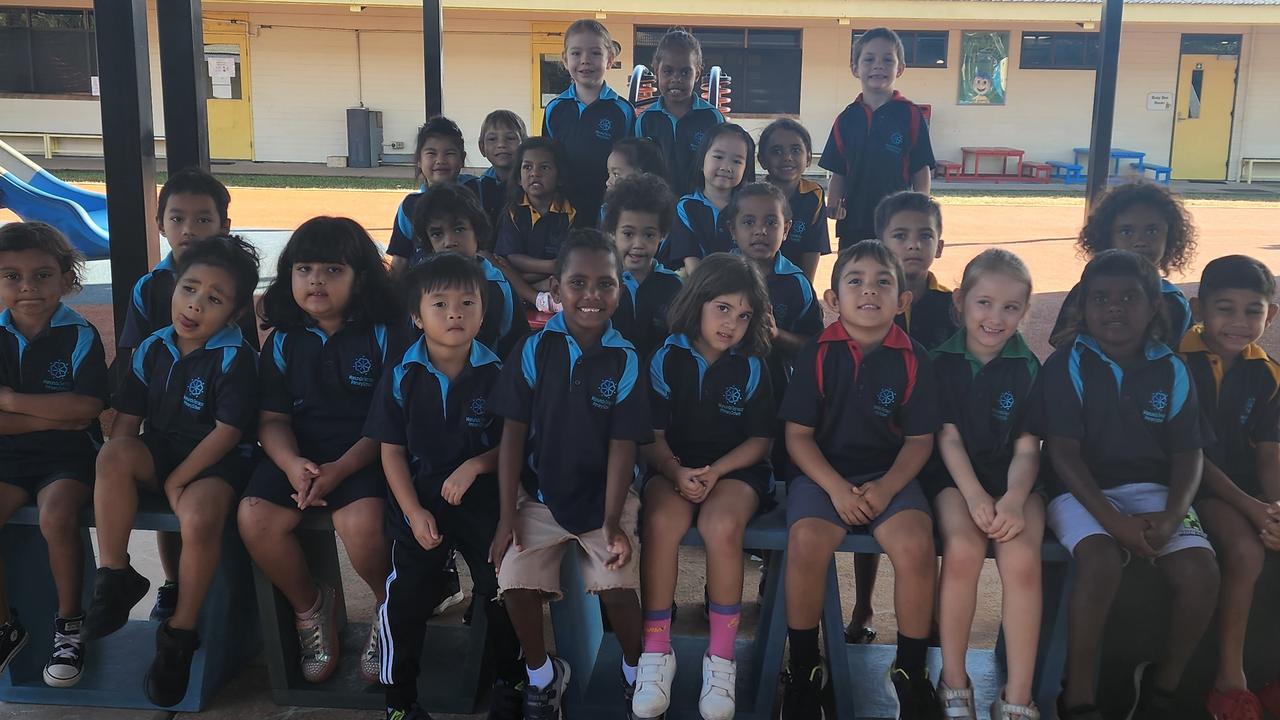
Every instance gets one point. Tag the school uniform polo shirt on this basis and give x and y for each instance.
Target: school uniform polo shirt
(65, 357)
(525, 231)
(504, 319)
(696, 233)
(795, 307)
(809, 232)
(929, 319)
(151, 308)
(1241, 406)
(641, 316)
(708, 409)
(324, 383)
(574, 400)
(988, 403)
(492, 192)
(441, 422)
(877, 152)
(588, 132)
(183, 398)
(862, 405)
(1129, 424)
(1176, 309)
(678, 138)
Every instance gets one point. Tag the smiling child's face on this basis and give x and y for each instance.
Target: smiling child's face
(867, 296)
(878, 66)
(588, 290)
(638, 237)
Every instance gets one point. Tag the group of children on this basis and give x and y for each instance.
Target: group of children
(685, 372)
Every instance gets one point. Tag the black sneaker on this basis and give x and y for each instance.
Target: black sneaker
(628, 692)
(67, 661)
(915, 696)
(166, 601)
(166, 681)
(1149, 703)
(413, 713)
(115, 592)
(804, 695)
(506, 700)
(12, 639)
(544, 703)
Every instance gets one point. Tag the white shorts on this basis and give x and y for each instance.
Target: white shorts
(1071, 522)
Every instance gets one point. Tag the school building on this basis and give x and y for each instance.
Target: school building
(1198, 87)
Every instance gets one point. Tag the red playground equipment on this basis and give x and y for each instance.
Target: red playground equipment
(642, 88)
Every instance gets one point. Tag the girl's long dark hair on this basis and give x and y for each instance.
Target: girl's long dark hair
(723, 274)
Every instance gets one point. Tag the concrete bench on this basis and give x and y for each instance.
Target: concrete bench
(116, 665)
(1037, 171)
(1070, 173)
(1159, 172)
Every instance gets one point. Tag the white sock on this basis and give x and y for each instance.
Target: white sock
(543, 676)
(629, 672)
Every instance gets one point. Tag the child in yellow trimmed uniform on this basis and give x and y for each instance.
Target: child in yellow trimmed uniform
(785, 149)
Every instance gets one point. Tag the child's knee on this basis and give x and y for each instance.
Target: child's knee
(721, 529)
(912, 552)
(1099, 560)
(1192, 573)
(59, 518)
(1242, 558)
(201, 522)
(963, 551)
(664, 526)
(1020, 567)
(619, 599)
(359, 524)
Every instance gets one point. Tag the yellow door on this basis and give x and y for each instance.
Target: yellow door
(549, 76)
(226, 72)
(1202, 116)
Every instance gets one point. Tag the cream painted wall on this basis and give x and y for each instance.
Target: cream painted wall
(1258, 102)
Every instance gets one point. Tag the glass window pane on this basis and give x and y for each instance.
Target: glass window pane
(57, 19)
(931, 50)
(1068, 50)
(13, 17)
(789, 39)
(772, 83)
(649, 36)
(1037, 50)
(60, 59)
(15, 60)
(720, 37)
(1211, 44)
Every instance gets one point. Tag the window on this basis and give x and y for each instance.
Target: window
(1059, 51)
(1210, 44)
(764, 64)
(47, 51)
(920, 48)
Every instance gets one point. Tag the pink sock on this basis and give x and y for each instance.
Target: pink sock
(724, 629)
(657, 631)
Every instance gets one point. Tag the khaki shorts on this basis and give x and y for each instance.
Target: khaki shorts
(536, 566)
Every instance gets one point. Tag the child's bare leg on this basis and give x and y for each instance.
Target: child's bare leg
(122, 464)
(667, 517)
(202, 508)
(1192, 575)
(525, 609)
(1099, 563)
(267, 531)
(1241, 555)
(169, 548)
(964, 548)
(1019, 564)
(11, 498)
(359, 524)
(907, 538)
(811, 543)
(866, 567)
(60, 502)
(722, 523)
(623, 609)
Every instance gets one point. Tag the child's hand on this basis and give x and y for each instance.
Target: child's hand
(689, 486)
(300, 473)
(982, 508)
(505, 537)
(850, 506)
(708, 477)
(1271, 532)
(769, 323)
(1162, 526)
(1131, 532)
(1260, 515)
(330, 476)
(835, 208)
(457, 485)
(423, 524)
(619, 546)
(1009, 521)
(874, 499)
(6, 398)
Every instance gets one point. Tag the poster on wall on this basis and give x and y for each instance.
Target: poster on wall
(984, 62)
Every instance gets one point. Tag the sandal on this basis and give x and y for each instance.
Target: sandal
(854, 635)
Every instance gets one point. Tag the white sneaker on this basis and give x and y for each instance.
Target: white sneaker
(719, 683)
(654, 676)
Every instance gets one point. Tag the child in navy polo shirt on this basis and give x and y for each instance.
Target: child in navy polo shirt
(588, 117)
(785, 149)
(500, 135)
(861, 412)
(1147, 219)
(433, 415)
(335, 316)
(680, 117)
(985, 493)
(714, 419)
(53, 386)
(879, 144)
(575, 405)
(1238, 385)
(639, 212)
(538, 215)
(195, 385)
(727, 161)
(439, 156)
(1123, 437)
(448, 219)
(630, 157)
(910, 224)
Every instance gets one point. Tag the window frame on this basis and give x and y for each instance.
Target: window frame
(909, 49)
(1093, 44)
(87, 30)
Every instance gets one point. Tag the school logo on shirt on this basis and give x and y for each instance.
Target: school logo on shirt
(731, 401)
(895, 143)
(604, 129)
(697, 140)
(1156, 407)
(476, 416)
(885, 400)
(360, 370)
(780, 313)
(1004, 406)
(1246, 411)
(57, 377)
(797, 230)
(604, 396)
(194, 399)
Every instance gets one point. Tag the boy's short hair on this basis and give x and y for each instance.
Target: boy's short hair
(441, 271)
(875, 34)
(195, 181)
(755, 189)
(593, 27)
(906, 200)
(875, 250)
(503, 118)
(584, 239)
(20, 236)
(231, 253)
(1237, 272)
(1123, 263)
(451, 200)
(642, 154)
(647, 193)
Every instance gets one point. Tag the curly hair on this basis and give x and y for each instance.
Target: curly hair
(723, 274)
(450, 200)
(233, 254)
(1180, 245)
(16, 237)
(646, 193)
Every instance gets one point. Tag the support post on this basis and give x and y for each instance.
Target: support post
(128, 145)
(1104, 101)
(433, 55)
(183, 77)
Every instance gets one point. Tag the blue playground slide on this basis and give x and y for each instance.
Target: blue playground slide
(33, 194)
